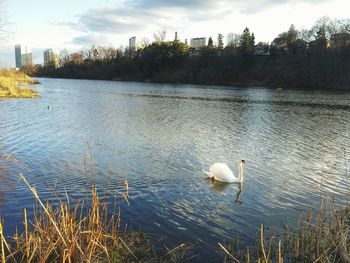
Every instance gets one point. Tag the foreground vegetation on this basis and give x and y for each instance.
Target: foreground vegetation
(85, 231)
(11, 82)
(324, 237)
(88, 231)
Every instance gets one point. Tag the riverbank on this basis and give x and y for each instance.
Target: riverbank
(297, 72)
(326, 69)
(12, 82)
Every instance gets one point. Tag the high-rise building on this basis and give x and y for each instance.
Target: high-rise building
(23, 57)
(18, 55)
(198, 42)
(51, 57)
(27, 59)
(132, 44)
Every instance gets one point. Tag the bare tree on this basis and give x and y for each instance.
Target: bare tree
(159, 36)
(64, 57)
(323, 25)
(305, 35)
(76, 57)
(87, 53)
(107, 53)
(144, 42)
(233, 40)
(344, 25)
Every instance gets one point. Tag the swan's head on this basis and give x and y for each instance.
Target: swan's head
(241, 161)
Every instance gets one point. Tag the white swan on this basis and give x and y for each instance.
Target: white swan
(221, 172)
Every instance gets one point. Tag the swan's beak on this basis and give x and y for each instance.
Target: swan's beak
(243, 161)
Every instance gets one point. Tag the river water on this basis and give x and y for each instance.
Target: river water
(160, 137)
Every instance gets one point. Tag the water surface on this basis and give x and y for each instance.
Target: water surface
(160, 137)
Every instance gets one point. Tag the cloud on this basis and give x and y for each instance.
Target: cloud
(112, 20)
(256, 6)
(150, 15)
(139, 15)
(212, 6)
(89, 39)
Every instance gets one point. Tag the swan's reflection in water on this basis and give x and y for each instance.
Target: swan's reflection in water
(218, 187)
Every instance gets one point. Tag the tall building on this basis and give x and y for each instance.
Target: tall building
(198, 42)
(132, 44)
(27, 59)
(23, 57)
(51, 57)
(18, 55)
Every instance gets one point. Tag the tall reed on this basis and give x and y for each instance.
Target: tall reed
(86, 231)
(324, 237)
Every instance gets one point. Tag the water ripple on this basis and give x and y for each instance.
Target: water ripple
(160, 137)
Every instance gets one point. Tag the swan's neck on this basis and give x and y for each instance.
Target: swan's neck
(240, 167)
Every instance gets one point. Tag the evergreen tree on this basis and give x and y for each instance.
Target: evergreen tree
(220, 42)
(247, 42)
(210, 43)
(292, 35)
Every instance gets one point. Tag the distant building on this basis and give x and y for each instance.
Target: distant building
(51, 57)
(318, 45)
(132, 44)
(23, 56)
(27, 59)
(262, 49)
(340, 40)
(198, 42)
(18, 56)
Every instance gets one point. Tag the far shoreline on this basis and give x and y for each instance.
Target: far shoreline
(248, 85)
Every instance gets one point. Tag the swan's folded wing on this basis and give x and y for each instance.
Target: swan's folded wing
(221, 171)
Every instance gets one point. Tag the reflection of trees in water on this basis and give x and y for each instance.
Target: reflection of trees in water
(218, 187)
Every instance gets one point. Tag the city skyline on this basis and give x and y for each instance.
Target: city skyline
(113, 23)
(23, 56)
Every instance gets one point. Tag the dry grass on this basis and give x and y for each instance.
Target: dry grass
(86, 231)
(11, 82)
(323, 238)
(69, 233)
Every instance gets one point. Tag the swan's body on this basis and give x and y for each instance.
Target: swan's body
(221, 172)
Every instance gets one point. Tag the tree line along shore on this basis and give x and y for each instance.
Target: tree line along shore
(318, 58)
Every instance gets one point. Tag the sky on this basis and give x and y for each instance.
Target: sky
(77, 24)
